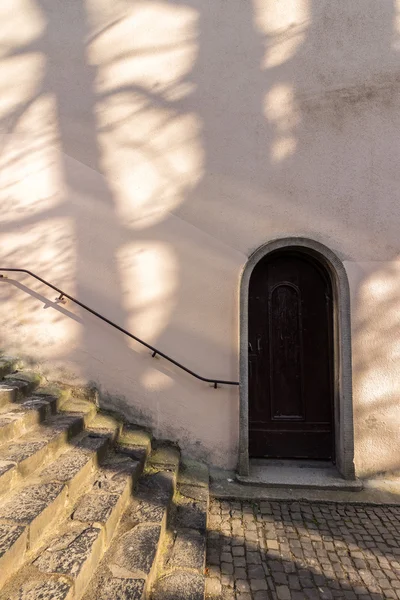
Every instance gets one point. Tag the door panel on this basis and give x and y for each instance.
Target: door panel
(285, 327)
(290, 358)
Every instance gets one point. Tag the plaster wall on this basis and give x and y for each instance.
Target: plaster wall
(148, 148)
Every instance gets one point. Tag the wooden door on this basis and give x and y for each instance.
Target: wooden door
(290, 358)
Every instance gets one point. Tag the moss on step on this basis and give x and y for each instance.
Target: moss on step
(165, 456)
(134, 437)
(105, 424)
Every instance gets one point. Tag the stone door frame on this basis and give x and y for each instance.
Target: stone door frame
(343, 401)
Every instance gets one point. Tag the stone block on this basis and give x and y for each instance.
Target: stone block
(73, 468)
(13, 390)
(8, 475)
(21, 417)
(8, 394)
(189, 550)
(13, 543)
(180, 585)
(28, 454)
(153, 496)
(191, 514)
(166, 457)
(46, 589)
(7, 365)
(36, 506)
(111, 492)
(136, 552)
(66, 425)
(69, 552)
(135, 437)
(26, 381)
(95, 507)
(193, 472)
(194, 492)
(117, 473)
(93, 443)
(105, 424)
(81, 407)
(122, 589)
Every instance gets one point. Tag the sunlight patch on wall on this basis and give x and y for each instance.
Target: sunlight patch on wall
(20, 24)
(47, 248)
(149, 280)
(19, 77)
(378, 332)
(281, 111)
(30, 171)
(284, 25)
(152, 149)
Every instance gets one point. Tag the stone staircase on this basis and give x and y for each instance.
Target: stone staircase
(92, 508)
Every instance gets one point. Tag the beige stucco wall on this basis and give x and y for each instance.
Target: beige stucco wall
(148, 148)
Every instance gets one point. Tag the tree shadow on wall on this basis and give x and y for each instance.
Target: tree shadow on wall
(260, 107)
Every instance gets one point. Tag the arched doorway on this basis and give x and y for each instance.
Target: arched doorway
(322, 271)
(290, 354)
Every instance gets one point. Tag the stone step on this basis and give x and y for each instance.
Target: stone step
(26, 515)
(15, 387)
(8, 364)
(181, 574)
(71, 556)
(32, 450)
(128, 568)
(17, 419)
(82, 407)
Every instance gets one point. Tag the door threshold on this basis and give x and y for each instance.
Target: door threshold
(291, 474)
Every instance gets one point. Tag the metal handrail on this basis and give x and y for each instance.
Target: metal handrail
(155, 351)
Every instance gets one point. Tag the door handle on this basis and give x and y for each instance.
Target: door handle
(259, 343)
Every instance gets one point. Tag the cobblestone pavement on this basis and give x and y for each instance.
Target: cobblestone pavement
(296, 551)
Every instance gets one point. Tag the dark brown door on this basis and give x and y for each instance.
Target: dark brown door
(290, 358)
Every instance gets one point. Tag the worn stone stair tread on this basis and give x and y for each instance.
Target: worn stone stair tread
(77, 547)
(136, 551)
(54, 588)
(25, 382)
(166, 457)
(34, 509)
(181, 575)
(106, 425)
(179, 585)
(75, 466)
(74, 553)
(12, 391)
(153, 496)
(121, 589)
(105, 503)
(34, 447)
(81, 406)
(8, 364)
(81, 516)
(28, 503)
(188, 551)
(129, 565)
(13, 542)
(17, 419)
(25, 375)
(191, 514)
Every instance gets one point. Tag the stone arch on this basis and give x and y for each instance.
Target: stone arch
(343, 401)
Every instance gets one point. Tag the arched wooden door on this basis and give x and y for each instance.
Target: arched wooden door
(290, 358)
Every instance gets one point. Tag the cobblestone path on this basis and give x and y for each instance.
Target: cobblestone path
(296, 551)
